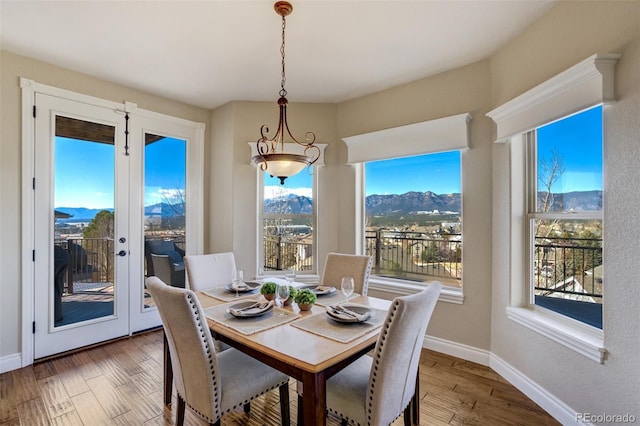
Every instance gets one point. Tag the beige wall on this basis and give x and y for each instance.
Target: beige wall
(12, 67)
(569, 33)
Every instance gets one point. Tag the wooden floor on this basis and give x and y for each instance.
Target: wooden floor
(121, 384)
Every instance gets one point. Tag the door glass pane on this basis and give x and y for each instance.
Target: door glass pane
(84, 177)
(164, 209)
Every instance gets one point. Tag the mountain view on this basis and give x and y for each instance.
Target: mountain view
(376, 205)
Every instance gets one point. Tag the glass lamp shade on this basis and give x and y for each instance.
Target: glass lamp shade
(282, 165)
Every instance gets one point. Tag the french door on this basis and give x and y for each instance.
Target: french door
(104, 181)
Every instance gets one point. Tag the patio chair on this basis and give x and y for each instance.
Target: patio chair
(377, 390)
(165, 260)
(210, 383)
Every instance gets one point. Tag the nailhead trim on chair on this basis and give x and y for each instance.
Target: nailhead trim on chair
(376, 361)
(216, 405)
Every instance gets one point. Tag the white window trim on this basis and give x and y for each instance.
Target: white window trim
(306, 276)
(582, 86)
(439, 135)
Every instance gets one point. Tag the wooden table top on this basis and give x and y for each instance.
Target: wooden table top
(303, 350)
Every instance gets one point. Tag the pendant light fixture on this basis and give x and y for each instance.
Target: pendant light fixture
(271, 156)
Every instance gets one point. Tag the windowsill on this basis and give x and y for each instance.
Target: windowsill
(569, 333)
(403, 288)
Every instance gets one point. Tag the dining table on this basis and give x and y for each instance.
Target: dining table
(306, 345)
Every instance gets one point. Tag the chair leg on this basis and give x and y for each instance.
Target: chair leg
(408, 414)
(180, 411)
(415, 401)
(285, 414)
(247, 407)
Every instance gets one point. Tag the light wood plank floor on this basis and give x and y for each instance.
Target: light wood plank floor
(120, 383)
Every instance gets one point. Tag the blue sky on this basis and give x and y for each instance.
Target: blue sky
(578, 140)
(438, 173)
(84, 174)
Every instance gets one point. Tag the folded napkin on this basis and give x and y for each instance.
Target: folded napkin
(346, 314)
(240, 286)
(253, 309)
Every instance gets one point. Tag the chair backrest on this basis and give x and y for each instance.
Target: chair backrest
(209, 270)
(164, 247)
(195, 366)
(340, 265)
(397, 354)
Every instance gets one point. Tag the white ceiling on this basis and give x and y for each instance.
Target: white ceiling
(207, 53)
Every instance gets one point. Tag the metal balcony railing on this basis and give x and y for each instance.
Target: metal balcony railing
(90, 261)
(416, 256)
(570, 267)
(286, 252)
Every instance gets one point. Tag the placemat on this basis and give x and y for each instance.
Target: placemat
(324, 326)
(250, 325)
(221, 293)
(333, 298)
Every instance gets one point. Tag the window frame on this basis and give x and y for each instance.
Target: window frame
(314, 220)
(407, 282)
(531, 215)
(295, 149)
(588, 83)
(442, 134)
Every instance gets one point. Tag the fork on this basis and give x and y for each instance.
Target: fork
(257, 305)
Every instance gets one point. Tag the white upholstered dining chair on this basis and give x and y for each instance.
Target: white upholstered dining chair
(209, 270)
(210, 383)
(376, 390)
(338, 265)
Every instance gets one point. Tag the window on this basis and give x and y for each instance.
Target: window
(413, 215)
(565, 216)
(553, 275)
(288, 218)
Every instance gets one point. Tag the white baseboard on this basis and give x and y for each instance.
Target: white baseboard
(459, 350)
(10, 362)
(549, 403)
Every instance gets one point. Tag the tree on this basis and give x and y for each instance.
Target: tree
(550, 169)
(101, 226)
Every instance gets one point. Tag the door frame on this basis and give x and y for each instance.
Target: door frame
(195, 192)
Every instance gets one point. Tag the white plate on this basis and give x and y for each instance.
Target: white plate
(319, 290)
(250, 286)
(249, 313)
(360, 310)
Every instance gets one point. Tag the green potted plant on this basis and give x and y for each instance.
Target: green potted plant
(305, 298)
(268, 290)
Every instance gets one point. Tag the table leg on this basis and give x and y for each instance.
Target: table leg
(168, 371)
(314, 400)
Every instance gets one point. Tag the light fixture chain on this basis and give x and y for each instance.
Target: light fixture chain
(283, 92)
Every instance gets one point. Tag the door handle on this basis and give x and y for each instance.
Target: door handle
(122, 253)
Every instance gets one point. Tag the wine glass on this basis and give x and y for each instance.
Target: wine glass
(282, 294)
(290, 276)
(347, 287)
(238, 280)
